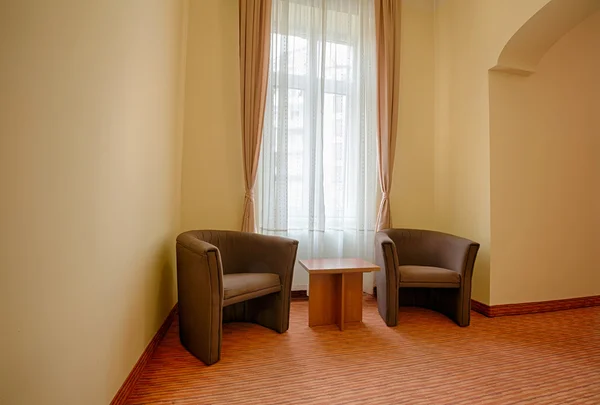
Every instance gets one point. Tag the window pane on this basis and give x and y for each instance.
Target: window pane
(334, 156)
(318, 181)
(338, 61)
(298, 55)
(295, 150)
(291, 51)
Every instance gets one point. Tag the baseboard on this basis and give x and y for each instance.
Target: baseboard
(480, 307)
(121, 396)
(530, 307)
(534, 307)
(299, 295)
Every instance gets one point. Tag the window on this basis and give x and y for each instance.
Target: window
(317, 177)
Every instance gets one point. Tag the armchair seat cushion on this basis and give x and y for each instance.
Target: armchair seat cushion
(239, 287)
(428, 277)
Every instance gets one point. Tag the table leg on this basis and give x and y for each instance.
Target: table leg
(335, 299)
(353, 297)
(342, 303)
(324, 301)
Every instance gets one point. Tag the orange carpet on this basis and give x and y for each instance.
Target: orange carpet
(551, 358)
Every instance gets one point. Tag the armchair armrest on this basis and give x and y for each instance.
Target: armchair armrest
(200, 293)
(195, 245)
(386, 279)
(199, 268)
(386, 257)
(467, 261)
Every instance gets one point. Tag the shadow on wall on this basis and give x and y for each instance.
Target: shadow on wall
(165, 263)
(158, 273)
(544, 148)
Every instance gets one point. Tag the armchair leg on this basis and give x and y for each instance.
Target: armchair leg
(463, 309)
(271, 311)
(386, 304)
(448, 301)
(454, 305)
(389, 315)
(462, 322)
(236, 312)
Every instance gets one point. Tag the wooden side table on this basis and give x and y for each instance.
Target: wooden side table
(335, 290)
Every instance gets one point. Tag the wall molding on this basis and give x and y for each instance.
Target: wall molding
(121, 395)
(525, 308)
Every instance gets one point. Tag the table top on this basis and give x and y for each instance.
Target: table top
(338, 265)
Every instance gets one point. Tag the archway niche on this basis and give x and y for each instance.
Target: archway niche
(545, 157)
(529, 44)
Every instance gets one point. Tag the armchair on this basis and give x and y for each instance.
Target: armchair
(227, 276)
(424, 268)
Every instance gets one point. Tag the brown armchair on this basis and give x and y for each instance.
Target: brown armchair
(426, 269)
(227, 276)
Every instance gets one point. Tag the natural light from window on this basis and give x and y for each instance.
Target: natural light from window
(317, 178)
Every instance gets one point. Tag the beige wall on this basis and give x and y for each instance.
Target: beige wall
(469, 36)
(89, 176)
(545, 173)
(212, 176)
(412, 196)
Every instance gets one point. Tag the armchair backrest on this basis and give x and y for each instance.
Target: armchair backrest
(231, 247)
(245, 252)
(429, 248)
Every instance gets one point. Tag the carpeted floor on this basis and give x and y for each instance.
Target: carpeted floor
(551, 358)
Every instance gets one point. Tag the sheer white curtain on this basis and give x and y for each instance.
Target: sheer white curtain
(317, 178)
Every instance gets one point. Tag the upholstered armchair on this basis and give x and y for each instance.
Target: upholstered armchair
(426, 269)
(226, 276)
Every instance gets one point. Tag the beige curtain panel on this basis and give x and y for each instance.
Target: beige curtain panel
(255, 28)
(387, 26)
